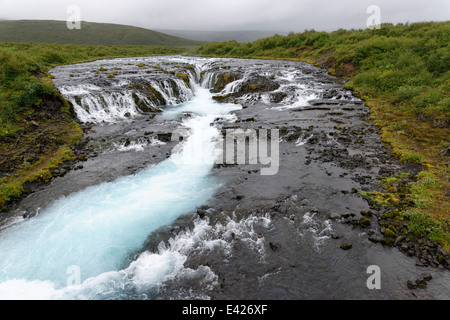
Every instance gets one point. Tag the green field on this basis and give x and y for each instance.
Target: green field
(45, 31)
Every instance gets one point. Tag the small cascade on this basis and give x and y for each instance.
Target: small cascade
(95, 105)
(104, 107)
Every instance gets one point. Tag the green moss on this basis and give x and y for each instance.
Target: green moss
(9, 192)
(390, 234)
(387, 241)
(365, 222)
(184, 77)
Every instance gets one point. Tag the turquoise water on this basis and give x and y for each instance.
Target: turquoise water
(95, 231)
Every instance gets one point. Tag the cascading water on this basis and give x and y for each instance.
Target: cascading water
(97, 229)
(260, 236)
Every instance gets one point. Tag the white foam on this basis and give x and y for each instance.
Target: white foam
(302, 141)
(320, 231)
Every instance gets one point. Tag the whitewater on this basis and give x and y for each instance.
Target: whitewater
(91, 234)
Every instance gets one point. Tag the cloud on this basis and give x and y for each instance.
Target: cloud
(282, 15)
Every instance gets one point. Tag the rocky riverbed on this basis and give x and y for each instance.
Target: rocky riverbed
(303, 233)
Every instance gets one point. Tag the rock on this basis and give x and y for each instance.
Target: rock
(202, 213)
(399, 240)
(349, 215)
(374, 239)
(411, 285)
(387, 241)
(335, 216)
(365, 222)
(346, 246)
(426, 276)
(34, 123)
(390, 234)
(277, 97)
(442, 252)
(421, 283)
(274, 246)
(367, 213)
(258, 83)
(165, 137)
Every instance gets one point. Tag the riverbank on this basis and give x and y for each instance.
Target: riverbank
(280, 237)
(401, 72)
(40, 134)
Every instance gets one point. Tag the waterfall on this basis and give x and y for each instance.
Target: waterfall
(92, 104)
(96, 230)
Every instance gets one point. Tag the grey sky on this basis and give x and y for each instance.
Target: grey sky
(277, 15)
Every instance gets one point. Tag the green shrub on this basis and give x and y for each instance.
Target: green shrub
(422, 225)
(406, 93)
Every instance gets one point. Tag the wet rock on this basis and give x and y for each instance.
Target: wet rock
(277, 97)
(335, 216)
(426, 276)
(165, 137)
(399, 240)
(258, 83)
(365, 222)
(420, 283)
(274, 246)
(346, 246)
(202, 213)
(411, 285)
(387, 241)
(367, 213)
(375, 239)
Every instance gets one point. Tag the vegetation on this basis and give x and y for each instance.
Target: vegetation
(36, 122)
(403, 73)
(44, 31)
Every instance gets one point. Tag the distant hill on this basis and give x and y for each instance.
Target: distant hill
(49, 31)
(220, 36)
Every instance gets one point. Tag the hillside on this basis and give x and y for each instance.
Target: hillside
(219, 36)
(45, 31)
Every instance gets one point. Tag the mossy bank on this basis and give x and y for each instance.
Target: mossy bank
(403, 74)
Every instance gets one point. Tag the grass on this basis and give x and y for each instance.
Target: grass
(403, 73)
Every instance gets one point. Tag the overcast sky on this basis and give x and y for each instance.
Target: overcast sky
(213, 15)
